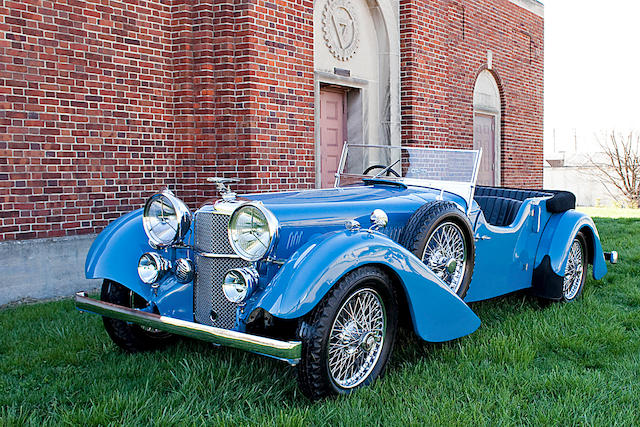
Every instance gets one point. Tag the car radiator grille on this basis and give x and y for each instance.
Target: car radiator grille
(210, 305)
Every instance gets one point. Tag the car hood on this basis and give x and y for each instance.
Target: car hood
(304, 214)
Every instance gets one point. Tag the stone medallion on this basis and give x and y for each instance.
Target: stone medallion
(340, 28)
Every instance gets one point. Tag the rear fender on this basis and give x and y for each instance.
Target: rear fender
(555, 243)
(437, 313)
(115, 252)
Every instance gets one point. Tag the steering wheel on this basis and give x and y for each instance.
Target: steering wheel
(372, 167)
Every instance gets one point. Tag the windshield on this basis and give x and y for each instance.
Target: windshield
(444, 169)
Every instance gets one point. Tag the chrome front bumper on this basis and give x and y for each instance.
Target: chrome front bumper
(288, 351)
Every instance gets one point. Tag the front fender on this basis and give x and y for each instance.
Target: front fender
(438, 314)
(115, 252)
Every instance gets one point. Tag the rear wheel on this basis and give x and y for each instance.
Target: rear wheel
(130, 337)
(575, 272)
(348, 338)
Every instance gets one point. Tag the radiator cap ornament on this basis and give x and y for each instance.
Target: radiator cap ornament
(223, 189)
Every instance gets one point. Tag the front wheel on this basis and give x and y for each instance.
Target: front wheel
(440, 235)
(130, 337)
(348, 338)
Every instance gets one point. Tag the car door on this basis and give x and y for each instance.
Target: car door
(505, 255)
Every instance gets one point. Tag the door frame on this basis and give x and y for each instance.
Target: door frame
(322, 81)
(497, 137)
(342, 92)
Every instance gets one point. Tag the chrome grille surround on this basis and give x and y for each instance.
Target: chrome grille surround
(214, 257)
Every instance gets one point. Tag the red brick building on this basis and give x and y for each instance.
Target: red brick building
(103, 102)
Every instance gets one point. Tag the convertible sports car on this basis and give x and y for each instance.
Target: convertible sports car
(324, 278)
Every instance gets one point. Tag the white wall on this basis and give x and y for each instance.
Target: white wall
(584, 183)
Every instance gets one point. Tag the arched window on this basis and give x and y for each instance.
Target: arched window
(486, 127)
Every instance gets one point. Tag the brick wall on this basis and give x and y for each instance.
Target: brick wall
(103, 102)
(444, 47)
(85, 112)
(244, 104)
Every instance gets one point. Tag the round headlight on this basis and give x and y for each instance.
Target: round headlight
(151, 267)
(166, 219)
(239, 283)
(252, 230)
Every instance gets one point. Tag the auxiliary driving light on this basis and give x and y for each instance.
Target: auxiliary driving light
(239, 283)
(151, 267)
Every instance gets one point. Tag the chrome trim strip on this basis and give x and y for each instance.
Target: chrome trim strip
(210, 255)
(289, 351)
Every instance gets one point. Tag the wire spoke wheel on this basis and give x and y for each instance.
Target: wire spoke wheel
(348, 337)
(445, 253)
(357, 338)
(574, 272)
(440, 235)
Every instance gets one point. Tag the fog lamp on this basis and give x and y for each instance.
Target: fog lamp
(151, 267)
(239, 283)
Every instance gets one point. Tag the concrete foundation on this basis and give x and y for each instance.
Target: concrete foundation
(44, 268)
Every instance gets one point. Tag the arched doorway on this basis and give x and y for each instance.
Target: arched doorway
(357, 78)
(487, 109)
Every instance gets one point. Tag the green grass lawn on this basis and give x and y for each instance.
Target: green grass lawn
(561, 364)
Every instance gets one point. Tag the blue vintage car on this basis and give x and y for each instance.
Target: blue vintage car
(324, 278)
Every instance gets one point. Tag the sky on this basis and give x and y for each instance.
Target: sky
(592, 69)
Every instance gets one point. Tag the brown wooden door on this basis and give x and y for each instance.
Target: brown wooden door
(332, 134)
(484, 136)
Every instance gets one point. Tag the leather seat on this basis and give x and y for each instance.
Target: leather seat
(499, 211)
(557, 202)
(511, 193)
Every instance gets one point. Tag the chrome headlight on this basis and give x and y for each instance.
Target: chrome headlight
(252, 231)
(239, 284)
(166, 219)
(151, 267)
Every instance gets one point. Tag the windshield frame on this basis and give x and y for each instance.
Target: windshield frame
(464, 189)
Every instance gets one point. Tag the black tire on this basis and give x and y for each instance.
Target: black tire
(130, 337)
(429, 218)
(315, 376)
(572, 290)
